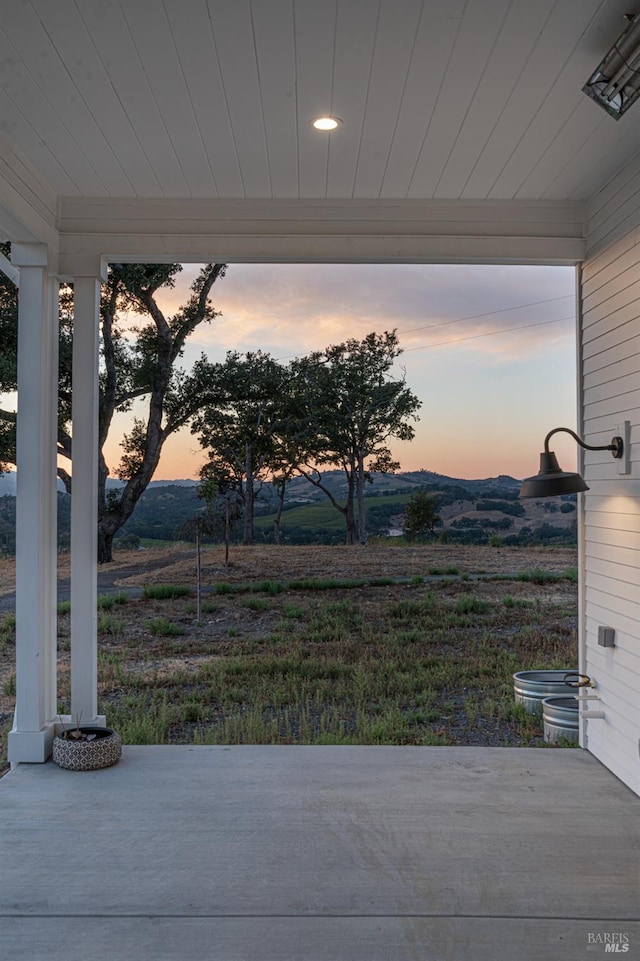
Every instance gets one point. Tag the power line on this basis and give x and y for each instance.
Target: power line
(489, 313)
(491, 333)
(459, 320)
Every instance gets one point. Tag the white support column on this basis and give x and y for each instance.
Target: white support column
(36, 509)
(84, 503)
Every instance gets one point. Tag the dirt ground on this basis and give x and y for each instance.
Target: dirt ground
(177, 565)
(451, 567)
(132, 570)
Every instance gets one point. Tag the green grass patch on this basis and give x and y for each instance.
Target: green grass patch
(513, 602)
(256, 603)
(164, 592)
(163, 627)
(325, 583)
(538, 576)
(63, 607)
(222, 587)
(267, 587)
(5, 727)
(107, 601)
(108, 624)
(7, 632)
(211, 607)
(469, 604)
(409, 610)
(292, 611)
(144, 718)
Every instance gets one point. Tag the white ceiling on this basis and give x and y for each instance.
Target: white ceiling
(211, 99)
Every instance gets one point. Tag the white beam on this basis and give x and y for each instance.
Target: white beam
(36, 556)
(385, 248)
(84, 505)
(320, 231)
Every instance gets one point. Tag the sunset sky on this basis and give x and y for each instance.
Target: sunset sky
(490, 351)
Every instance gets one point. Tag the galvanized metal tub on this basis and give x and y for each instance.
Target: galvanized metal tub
(561, 719)
(531, 687)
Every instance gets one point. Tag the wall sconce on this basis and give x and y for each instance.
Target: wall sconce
(552, 481)
(615, 83)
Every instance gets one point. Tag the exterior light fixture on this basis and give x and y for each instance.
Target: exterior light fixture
(326, 123)
(615, 83)
(551, 480)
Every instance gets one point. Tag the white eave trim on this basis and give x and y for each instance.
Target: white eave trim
(7, 268)
(326, 231)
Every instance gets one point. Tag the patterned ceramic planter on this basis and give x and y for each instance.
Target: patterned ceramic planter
(78, 754)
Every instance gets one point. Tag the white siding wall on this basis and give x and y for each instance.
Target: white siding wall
(610, 384)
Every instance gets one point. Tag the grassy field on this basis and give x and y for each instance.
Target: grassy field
(321, 516)
(405, 645)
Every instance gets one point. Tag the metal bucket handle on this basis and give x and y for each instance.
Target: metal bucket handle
(581, 680)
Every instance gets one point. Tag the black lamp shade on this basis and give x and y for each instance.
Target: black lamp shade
(551, 480)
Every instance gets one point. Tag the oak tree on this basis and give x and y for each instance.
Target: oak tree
(239, 431)
(139, 366)
(350, 406)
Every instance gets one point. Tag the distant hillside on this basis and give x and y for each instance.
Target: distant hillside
(8, 484)
(472, 511)
(300, 490)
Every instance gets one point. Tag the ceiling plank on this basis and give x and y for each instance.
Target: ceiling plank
(395, 40)
(74, 45)
(201, 70)
(37, 104)
(315, 27)
(514, 45)
(528, 95)
(562, 97)
(120, 59)
(235, 50)
(273, 26)
(356, 31)
(163, 70)
(435, 39)
(471, 52)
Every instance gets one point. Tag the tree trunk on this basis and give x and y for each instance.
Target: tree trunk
(227, 534)
(348, 510)
(362, 514)
(352, 530)
(247, 532)
(105, 545)
(276, 524)
(198, 574)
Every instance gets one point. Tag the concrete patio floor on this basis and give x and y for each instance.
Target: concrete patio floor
(320, 854)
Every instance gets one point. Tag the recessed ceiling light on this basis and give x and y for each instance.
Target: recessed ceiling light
(326, 123)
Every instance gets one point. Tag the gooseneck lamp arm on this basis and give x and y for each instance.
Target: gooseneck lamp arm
(551, 480)
(616, 446)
